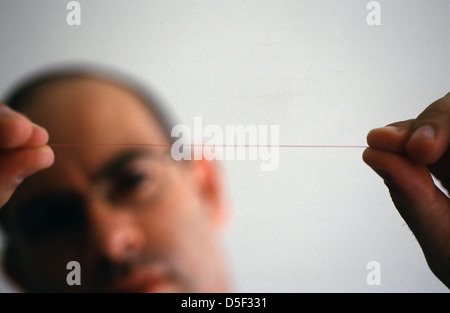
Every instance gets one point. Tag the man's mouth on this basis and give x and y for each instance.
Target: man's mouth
(154, 279)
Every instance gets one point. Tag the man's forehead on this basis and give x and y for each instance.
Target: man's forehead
(82, 95)
(93, 110)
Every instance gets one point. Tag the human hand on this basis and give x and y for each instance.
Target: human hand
(405, 154)
(23, 151)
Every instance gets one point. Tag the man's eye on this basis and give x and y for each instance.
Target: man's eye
(130, 182)
(134, 187)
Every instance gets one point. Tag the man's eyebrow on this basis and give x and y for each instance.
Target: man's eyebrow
(117, 164)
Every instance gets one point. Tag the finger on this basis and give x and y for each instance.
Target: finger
(39, 137)
(17, 165)
(422, 205)
(15, 129)
(393, 138)
(430, 133)
(390, 138)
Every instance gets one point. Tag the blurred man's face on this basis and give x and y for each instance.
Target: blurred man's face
(134, 219)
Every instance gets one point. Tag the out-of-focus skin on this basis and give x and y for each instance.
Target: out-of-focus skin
(171, 244)
(23, 150)
(405, 154)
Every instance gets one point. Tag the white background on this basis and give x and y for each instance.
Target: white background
(314, 67)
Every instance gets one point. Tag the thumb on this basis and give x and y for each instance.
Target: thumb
(422, 205)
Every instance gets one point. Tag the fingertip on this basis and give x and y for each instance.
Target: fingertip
(390, 138)
(366, 154)
(38, 137)
(45, 158)
(381, 132)
(373, 158)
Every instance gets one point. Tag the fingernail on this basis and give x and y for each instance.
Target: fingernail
(391, 128)
(424, 132)
(42, 134)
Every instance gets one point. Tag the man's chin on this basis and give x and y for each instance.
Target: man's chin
(162, 288)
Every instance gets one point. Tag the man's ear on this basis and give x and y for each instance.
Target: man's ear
(210, 176)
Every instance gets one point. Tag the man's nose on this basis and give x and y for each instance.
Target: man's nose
(115, 232)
